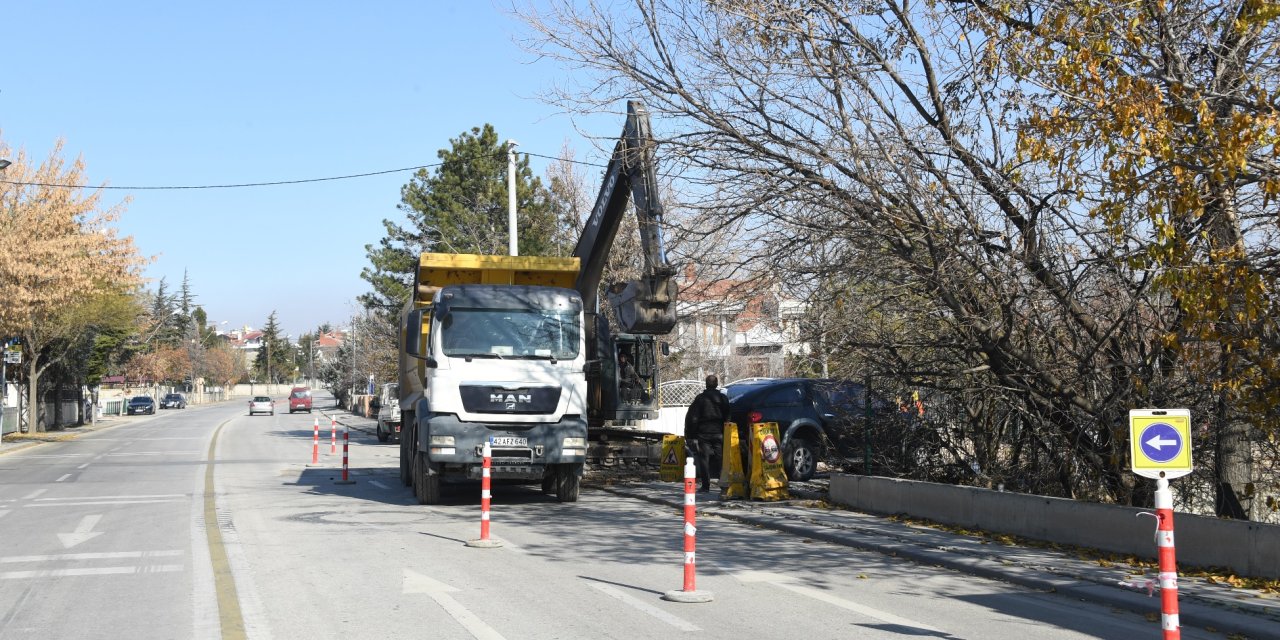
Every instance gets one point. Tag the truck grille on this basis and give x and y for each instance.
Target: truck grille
(489, 399)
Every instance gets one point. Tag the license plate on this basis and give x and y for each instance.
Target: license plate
(510, 441)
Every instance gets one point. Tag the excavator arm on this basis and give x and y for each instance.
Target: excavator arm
(647, 305)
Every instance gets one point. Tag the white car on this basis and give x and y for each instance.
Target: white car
(262, 404)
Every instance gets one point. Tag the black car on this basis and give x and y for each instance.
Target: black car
(141, 404)
(173, 401)
(813, 415)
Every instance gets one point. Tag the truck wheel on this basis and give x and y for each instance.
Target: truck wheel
(383, 436)
(426, 485)
(568, 484)
(406, 473)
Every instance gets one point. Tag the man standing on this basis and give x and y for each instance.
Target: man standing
(704, 429)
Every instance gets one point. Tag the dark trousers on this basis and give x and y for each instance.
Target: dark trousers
(704, 452)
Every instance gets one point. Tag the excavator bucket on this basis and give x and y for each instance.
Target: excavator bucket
(646, 306)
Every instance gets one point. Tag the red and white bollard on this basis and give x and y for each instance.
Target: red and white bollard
(315, 442)
(485, 494)
(1168, 562)
(346, 438)
(689, 593)
(333, 436)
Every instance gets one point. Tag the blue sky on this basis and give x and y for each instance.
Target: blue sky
(178, 93)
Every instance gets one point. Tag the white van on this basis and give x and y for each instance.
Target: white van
(389, 413)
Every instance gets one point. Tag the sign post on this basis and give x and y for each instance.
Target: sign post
(1160, 448)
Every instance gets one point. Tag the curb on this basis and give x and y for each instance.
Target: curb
(1243, 619)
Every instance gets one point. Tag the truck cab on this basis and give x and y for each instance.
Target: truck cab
(389, 413)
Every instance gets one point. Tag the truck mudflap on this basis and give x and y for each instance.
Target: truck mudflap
(518, 451)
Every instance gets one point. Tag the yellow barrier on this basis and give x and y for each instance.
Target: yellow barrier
(733, 480)
(768, 478)
(672, 467)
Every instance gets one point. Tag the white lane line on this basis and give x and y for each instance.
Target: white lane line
(97, 502)
(50, 456)
(645, 607)
(377, 484)
(415, 582)
(98, 571)
(64, 477)
(109, 555)
(34, 494)
(83, 466)
(155, 453)
(146, 496)
(784, 582)
(149, 439)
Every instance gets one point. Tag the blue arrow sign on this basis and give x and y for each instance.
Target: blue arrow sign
(1160, 442)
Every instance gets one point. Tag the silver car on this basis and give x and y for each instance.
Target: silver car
(262, 404)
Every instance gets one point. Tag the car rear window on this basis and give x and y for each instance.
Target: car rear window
(302, 394)
(262, 399)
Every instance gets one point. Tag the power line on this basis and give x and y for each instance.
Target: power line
(276, 183)
(223, 186)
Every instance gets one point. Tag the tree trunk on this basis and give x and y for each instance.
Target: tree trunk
(1232, 499)
(33, 397)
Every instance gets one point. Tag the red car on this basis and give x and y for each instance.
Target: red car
(300, 399)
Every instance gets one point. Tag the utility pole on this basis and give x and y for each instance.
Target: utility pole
(512, 245)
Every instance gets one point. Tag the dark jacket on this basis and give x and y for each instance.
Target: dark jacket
(706, 415)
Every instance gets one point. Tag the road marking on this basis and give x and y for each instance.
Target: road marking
(64, 477)
(377, 484)
(34, 494)
(94, 571)
(93, 503)
(645, 607)
(83, 466)
(153, 453)
(415, 582)
(784, 582)
(229, 615)
(139, 496)
(50, 456)
(83, 533)
(108, 555)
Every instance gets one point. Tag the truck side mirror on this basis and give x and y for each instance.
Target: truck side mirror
(413, 334)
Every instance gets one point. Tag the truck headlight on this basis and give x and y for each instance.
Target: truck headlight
(575, 443)
(442, 440)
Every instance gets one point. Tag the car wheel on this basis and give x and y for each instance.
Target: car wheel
(801, 460)
(426, 485)
(383, 436)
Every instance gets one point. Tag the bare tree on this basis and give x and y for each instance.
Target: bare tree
(865, 156)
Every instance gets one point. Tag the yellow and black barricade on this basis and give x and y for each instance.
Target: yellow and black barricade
(733, 480)
(672, 467)
(768, 478)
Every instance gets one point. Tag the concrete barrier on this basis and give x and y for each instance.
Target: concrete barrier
(1244, 548)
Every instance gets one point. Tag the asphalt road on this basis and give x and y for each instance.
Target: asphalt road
(130, 532)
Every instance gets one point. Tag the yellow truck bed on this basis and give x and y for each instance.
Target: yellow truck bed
(437, 270)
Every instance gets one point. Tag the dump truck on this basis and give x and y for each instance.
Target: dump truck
(515, 351)
(493, 351)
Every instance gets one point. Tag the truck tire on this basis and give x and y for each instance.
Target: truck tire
(406, 472)
(426, 485)
(568, 484)
(383, 436)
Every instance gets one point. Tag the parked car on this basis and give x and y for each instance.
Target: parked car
(300, 399)
(262, 404)
(173, 401)
(141, 404)
(813, 416)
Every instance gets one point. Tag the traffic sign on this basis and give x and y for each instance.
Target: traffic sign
(1160, 442)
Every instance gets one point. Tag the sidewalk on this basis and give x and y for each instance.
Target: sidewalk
(16, 442)
(1230, 610)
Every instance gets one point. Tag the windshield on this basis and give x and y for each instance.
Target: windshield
(510, 333)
